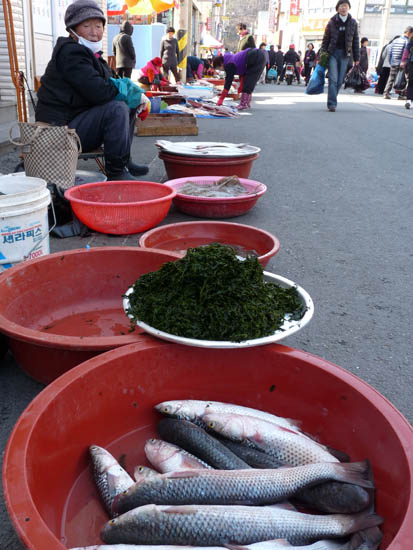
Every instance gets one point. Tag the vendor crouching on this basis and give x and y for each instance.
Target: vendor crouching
(248, 64)
(76, 91)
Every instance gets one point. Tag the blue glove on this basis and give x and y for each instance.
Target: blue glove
(129, 92)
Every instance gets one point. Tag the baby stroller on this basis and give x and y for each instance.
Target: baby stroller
(272, 75)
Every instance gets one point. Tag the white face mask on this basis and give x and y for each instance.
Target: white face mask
(95, 47)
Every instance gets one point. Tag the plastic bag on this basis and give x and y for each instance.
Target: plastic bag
(400, 81)
(272, 73)
(129, 92)
(353, 79)
(317, 80)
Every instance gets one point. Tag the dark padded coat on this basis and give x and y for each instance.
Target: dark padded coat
(352, 43)
(75, 80)
(123, 48)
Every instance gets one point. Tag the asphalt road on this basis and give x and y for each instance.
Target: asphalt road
(339, 199)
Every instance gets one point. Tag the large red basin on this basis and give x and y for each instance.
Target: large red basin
(108, 401)
(62, 309)
(181, 166)
(178, 237)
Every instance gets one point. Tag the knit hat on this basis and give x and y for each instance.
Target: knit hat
(80, 10)
(157, 61)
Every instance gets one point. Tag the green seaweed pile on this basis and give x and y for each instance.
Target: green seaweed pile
(212, 295)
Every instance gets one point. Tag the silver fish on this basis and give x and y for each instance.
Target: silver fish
(237, 486)
(110, 478)
(167, 457)
(192, 409)
(220, 525)
(288, 448)
(141, 473)
(278, 544)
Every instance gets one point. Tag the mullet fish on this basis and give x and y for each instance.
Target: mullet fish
(196, 441)
(193, 410)
(286, 447)
(167, 457)
(220, 525)
(141, 473)
(237, 486)
(110, 478)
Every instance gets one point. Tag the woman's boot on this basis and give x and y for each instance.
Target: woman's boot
(243, 104)
(249, 98)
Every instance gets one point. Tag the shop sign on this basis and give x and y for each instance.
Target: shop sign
(294, 10)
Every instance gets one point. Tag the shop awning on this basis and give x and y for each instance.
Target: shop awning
(208, 41)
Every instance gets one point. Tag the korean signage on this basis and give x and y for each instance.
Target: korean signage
(208, 23)
(294, 11)
(314, 25)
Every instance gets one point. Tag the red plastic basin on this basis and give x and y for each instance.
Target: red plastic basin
(178, 237)
(216, 207)
(120, 207)
(62, 309)
(181, 166)
(108, 401)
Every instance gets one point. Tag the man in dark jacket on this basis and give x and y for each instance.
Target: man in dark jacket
(279, 61)
(169, 54)
(124, 51)
(291, 58)
(271, 59)
(76, 91)
(341, 40)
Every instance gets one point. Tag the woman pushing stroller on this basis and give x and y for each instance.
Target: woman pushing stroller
(248, 64)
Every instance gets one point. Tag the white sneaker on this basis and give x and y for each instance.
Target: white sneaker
(408, 103)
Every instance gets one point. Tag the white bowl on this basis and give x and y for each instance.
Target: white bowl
(287, 328)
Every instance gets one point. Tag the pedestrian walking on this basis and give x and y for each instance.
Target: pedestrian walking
(248, 64)
(364, 56)
(383, 67)
(169, 54)
(246, 40)
(407, 63)
(124, 51)
(395, 57)
(340, 41)
(309, 62)
(263, 47)
(291, 58)
(77, 91)
(279, 62)
(271, 58)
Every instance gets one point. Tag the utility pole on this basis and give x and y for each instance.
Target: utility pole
(384, 23)
(184, 34)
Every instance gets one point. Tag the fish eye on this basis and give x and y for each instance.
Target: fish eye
(140, 468)
(112, 521)
(125, 492)
(166, 409)
(211, 424)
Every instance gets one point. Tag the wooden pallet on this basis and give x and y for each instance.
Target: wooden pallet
(167, 124)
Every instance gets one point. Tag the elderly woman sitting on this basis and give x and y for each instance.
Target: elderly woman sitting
(77, 91)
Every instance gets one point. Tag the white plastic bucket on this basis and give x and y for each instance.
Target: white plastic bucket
(24, 224)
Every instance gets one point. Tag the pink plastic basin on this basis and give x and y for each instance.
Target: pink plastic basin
(107, 401)
(62, 309)
(178, 237)
(216, 207)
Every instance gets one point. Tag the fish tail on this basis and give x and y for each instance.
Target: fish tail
(358, 473)
(368, 539)
(364, 521)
